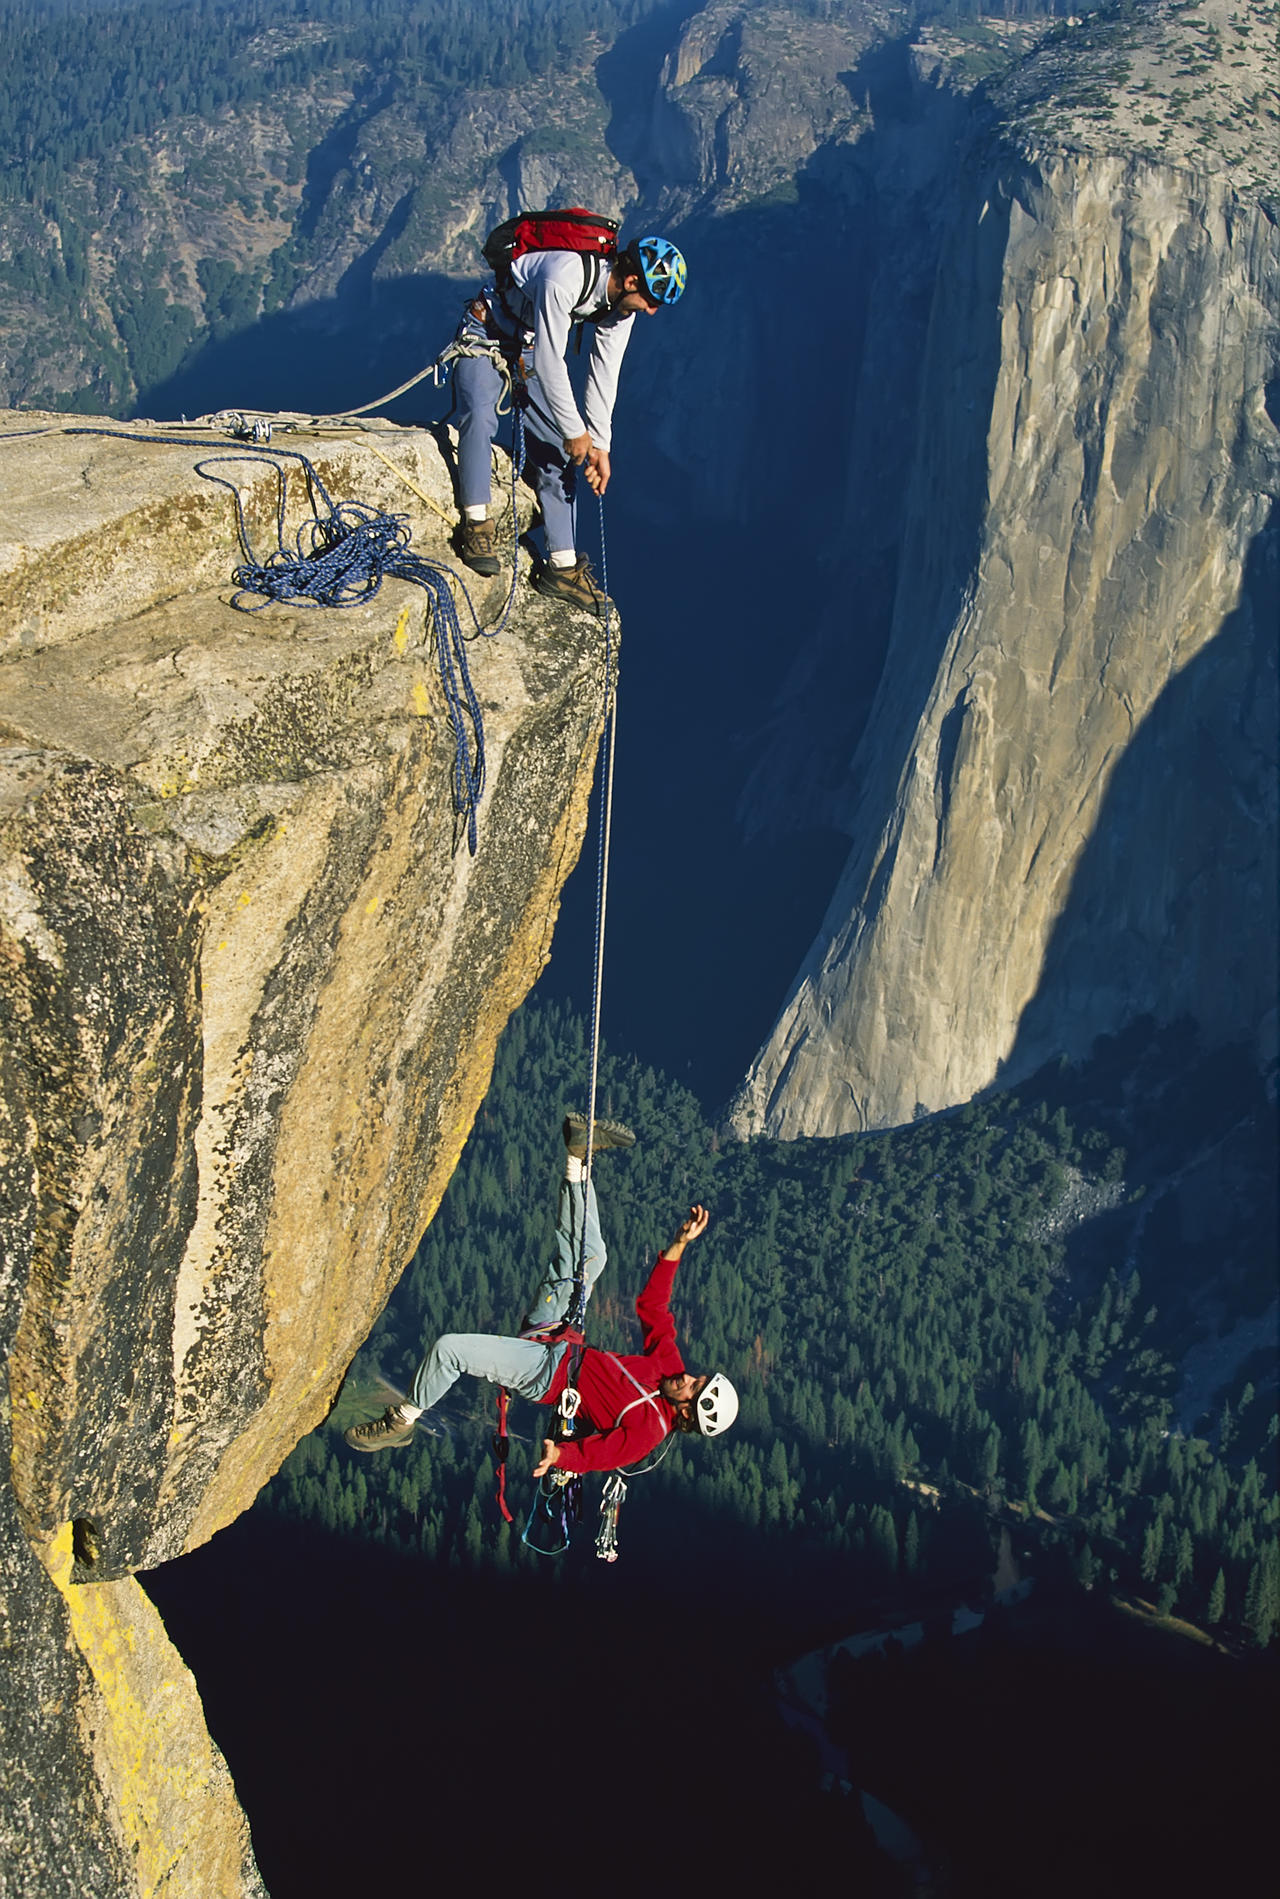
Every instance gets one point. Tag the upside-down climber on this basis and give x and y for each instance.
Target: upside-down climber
(523, 322)
(630, 1403)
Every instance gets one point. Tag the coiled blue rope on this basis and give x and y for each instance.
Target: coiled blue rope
(340, 558)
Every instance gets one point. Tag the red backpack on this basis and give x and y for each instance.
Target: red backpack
(571, 229)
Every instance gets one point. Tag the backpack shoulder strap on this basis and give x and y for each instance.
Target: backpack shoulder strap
(595, 270)
(591, 268)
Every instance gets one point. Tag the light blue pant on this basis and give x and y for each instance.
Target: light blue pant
(522, 1364)
(479, 389)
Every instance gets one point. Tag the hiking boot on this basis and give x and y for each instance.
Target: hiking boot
(386, 1433)
(576, 586)
(604, 1134)
(476, 543)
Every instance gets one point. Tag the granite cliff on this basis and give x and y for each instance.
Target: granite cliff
(1062, 804)
(251, 991)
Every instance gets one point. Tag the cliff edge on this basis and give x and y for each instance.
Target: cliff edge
(251, 982)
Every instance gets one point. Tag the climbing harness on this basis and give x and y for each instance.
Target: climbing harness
(340, 558)
(474, 338)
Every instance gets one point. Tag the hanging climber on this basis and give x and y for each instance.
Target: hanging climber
(522, 322)
(631, 1403)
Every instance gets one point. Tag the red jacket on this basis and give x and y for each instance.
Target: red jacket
(627, 1425)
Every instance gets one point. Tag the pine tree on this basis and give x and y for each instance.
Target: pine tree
(884, 1538)
(1152, 1549)
(1183, 1557)
(1215, 1609)
(1087, 1567)
(1262, 1597)
(1032, 1459)
(911, 1545)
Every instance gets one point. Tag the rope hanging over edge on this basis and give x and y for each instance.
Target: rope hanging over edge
(340, 559)
(607, 741)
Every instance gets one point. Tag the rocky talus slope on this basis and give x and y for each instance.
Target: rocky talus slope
(1063, 805)
(250, 989)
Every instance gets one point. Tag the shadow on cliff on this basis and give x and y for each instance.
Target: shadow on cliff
(628, 76)
(925, 354)
(808, 327)
(1172, 908)
(324, 357)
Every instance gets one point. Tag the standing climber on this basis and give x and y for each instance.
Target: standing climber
(520, 327)
(631, 1402)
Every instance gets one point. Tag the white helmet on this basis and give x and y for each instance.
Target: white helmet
(717, 1406)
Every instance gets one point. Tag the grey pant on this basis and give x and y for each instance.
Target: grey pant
(522, 1364)
(479, 388)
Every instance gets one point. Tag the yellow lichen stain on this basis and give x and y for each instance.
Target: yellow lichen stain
(401, 634)
(243, 900)
(223, 944)
(421, 699)
(155, 1759)
(179, 779)
(34, 1400)
(372, 905)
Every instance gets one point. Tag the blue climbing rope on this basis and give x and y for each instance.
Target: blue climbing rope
(340, 558)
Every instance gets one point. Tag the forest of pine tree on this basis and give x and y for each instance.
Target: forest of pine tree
(97, 73)
(918, 1360)
(96, 76)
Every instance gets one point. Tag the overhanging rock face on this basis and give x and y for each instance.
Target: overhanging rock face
(251, 987)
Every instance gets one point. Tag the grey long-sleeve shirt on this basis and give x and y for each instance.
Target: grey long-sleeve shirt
(544, 298)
